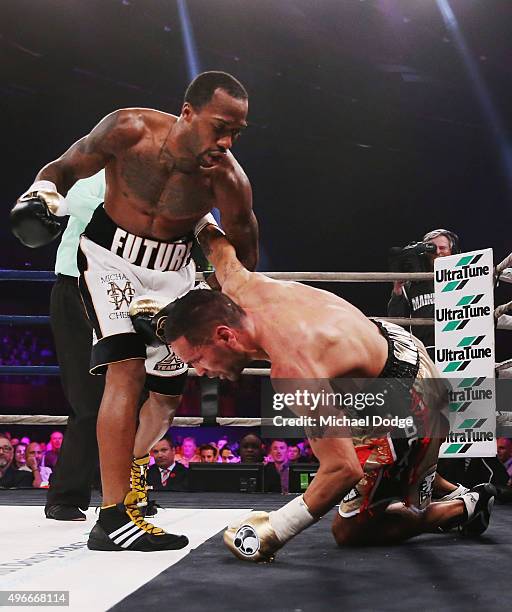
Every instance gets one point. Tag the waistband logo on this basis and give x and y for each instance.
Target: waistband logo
(120, 296)
(147, 253)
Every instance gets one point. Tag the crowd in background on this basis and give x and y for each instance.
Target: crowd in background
(29, 463)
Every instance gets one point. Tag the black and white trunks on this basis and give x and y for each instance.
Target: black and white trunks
(117, 267)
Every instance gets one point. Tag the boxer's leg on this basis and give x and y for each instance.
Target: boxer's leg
(395, 524)
(155, 418)
(116, 426)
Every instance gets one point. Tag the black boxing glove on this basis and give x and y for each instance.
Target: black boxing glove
(34, 219)
(148, 318)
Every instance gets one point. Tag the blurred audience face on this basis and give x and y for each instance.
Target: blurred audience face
(19, 455)
(504, 449)
(6, 453)
(25, 440)
(207, 455)
(251, 449)
(227, 456)
(163, 454)
(34, 451)
(279, 451)
(188, 448)
(56, 440)
(307, 450)
(293, 453)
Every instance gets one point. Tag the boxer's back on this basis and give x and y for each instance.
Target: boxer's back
(307, 332)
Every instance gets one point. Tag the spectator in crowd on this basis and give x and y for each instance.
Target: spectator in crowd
(207, 453)
(293, 453)
(25, 440)
(251, 449)
(505, 455)
(276, 472)
(307, 453)
(188, 453)
(40, 473)
(416, 299)
(166, 474)
(19, 456)
(227, 455)
(9, 476)
(53, 449)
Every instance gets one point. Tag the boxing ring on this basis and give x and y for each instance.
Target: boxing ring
(432, 571)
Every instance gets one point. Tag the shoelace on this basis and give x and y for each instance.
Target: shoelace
(138, 477)
(138, 519)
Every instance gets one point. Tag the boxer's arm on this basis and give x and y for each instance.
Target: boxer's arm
(339, 471)
(229, 271)
(114, 133)
(233, 198)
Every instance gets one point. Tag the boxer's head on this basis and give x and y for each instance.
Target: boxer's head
(213, 115)
(206, 329)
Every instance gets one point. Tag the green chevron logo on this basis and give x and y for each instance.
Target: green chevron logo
(458, 448)
(468, 260)
(454, 285)
(457, 366)
(471, 341)
(470, 299)
(455, 325)
(471, 424)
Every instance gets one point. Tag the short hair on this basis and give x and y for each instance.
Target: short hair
(452, 238)
(225, 448)
(198, 313)
(202, 88)
(207, 447)
(167, 439)
(251, 434)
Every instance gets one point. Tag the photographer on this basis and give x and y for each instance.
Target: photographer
(416, 298)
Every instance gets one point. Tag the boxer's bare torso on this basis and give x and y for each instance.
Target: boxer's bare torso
(149, 192)
(164, 173)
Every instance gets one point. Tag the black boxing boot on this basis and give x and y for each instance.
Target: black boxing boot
(479, 502)
(122, 527)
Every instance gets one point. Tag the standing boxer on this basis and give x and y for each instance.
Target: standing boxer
(164, 174)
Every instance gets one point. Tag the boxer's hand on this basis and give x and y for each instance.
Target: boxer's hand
(253, 538)
(148, 319)
(32, 222)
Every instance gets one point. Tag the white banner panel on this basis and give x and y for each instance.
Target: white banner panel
(464, 332)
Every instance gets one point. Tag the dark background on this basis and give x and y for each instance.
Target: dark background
(366, 130)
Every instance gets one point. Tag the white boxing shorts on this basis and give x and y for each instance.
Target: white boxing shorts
(115, 268)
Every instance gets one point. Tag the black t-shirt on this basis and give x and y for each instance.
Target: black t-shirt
(416, 301)
(16, 479)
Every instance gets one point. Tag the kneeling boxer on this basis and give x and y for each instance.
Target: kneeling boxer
(384, 484)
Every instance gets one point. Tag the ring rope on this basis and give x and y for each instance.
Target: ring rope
(45, 319)
(327, 277)
(54, 370)
(504, 365)
(46, 419)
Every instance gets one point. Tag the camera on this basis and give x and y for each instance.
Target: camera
(412, 258)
